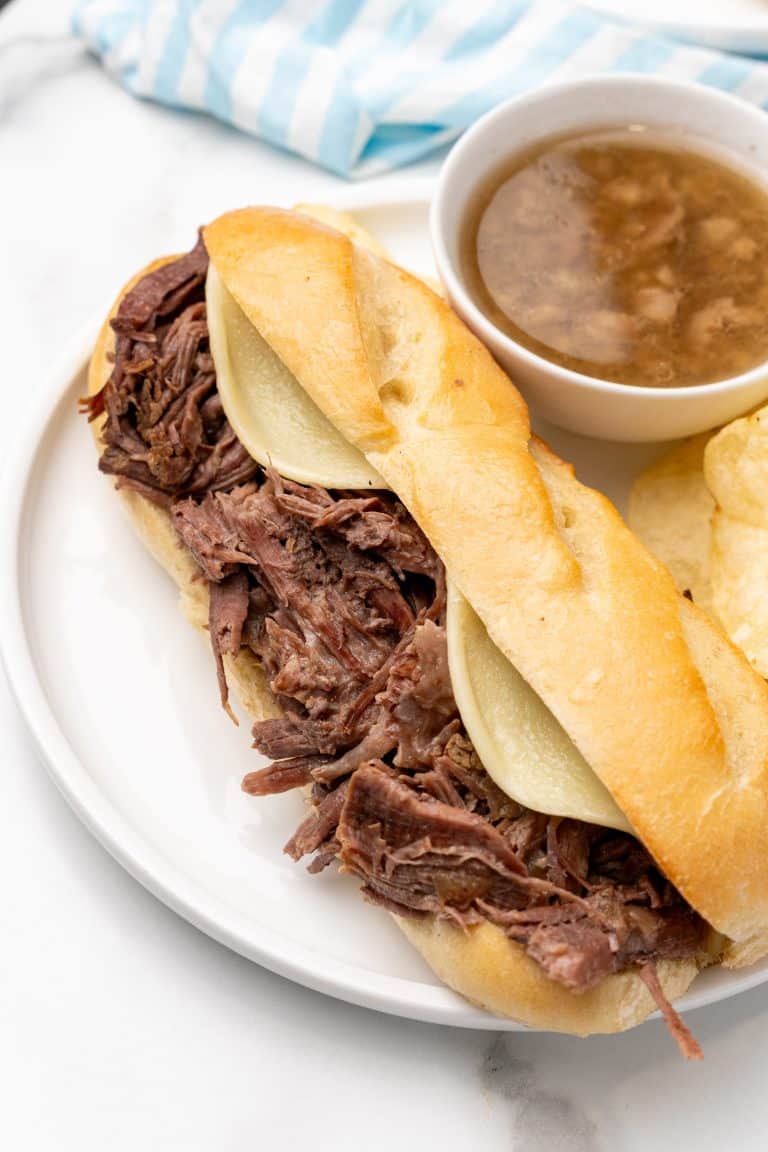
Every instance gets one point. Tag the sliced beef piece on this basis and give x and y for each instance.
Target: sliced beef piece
(226, 465)
(325, 589)
(282, 776)
(206, 531)
(622, 858)
(568, 848)
(577, 954)
(376, 523)
(163, 291)
(165, 433)
(686, 1041)
(639, 930)
(296, 736)
(335, 628)
(228, 607)
(456, 762)
(304, 674)
(423, 856)
(413, 707)
(319, 826)
(418, 696)
(528, 836)
(420, 855)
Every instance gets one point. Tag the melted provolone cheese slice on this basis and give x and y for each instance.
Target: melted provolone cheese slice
(520, 743)
(271, 414)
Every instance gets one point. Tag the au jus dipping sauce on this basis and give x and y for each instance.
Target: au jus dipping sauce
(626, 255)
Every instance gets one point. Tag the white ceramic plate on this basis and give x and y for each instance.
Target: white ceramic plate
(733, 25)
(121, 697)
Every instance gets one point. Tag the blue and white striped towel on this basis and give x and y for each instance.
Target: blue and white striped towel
(361, 86)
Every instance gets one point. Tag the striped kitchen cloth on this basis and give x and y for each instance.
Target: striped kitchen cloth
(361, 86)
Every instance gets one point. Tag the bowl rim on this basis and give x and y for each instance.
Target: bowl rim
(686, 89)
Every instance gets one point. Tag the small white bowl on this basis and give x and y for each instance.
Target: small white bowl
(729, 128)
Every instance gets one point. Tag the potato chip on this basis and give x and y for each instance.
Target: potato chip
(736, 470)
(670, 509)
(739, 574)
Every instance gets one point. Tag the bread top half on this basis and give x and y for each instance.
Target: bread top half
(484, 965)
(668, 713)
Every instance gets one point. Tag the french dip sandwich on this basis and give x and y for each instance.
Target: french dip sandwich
(549, 766)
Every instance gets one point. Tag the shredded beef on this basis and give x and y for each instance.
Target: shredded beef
(320, 826)
(420, 856)
(165, 430)
(686, 1041)
(229, 604)
(333, 625)
(342, 599)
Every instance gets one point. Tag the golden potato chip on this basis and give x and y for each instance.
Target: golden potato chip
(739, 575)
(670, 509)
(736, 470)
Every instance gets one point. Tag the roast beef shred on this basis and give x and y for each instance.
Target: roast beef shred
(228, 608)
(342, 599)
(165, 431)
(686, 1041)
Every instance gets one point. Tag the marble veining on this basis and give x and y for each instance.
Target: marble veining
(541, 1120)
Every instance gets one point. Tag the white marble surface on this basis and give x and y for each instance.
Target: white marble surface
(121, 1027)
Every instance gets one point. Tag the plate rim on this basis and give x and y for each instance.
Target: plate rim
(158, 873)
